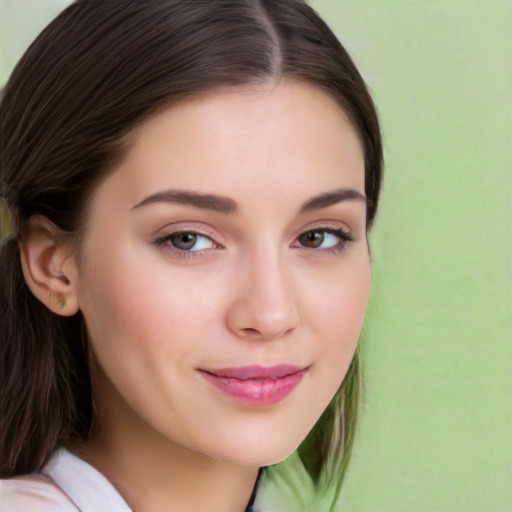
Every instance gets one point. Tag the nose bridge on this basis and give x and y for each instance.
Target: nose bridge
(265, 304)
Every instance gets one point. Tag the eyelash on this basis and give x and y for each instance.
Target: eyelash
(166, 240)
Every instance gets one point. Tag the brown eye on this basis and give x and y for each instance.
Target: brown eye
(325, 238)
(312, 239)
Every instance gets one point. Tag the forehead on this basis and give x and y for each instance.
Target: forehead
(265, 138)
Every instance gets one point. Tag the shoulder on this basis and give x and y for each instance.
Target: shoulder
(35, 493)
(65, 484)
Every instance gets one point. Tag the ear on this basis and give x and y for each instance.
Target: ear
(49, 266)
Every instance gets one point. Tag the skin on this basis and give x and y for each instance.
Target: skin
(250, 291)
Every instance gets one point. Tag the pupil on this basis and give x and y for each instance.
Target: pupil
(312, 239)
(184, 240)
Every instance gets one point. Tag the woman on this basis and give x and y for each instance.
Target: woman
(191, 185)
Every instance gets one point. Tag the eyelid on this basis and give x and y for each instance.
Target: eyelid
(198, 228)
(327, 225)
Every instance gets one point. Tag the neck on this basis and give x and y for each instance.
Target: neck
(154, 474)
(171, 482)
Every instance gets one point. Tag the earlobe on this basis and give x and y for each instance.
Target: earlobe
(49, 266)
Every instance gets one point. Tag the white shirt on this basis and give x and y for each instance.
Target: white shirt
(69, 484)
(66, 484)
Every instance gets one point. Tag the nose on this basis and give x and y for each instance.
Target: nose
(264, 305)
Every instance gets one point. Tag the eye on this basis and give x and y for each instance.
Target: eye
(188, 241)
(324, 238)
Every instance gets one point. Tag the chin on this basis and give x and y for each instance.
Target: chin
(258, 453)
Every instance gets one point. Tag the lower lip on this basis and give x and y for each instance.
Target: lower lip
(256, 392)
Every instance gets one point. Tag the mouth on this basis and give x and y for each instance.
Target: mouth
(256, 385)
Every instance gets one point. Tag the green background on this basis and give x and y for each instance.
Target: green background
(436, 430)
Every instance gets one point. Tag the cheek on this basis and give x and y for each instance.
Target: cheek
(159, 312)
(145, 331)
(337, 313)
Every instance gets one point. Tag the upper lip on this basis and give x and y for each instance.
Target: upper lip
(257, 372)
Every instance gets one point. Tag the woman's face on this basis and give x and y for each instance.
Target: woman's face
(225, 273)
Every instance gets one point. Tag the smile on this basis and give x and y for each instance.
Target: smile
(256, 385)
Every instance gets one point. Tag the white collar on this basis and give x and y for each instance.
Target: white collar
(85, 486)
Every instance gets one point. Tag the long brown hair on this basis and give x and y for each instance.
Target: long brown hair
(90, 78)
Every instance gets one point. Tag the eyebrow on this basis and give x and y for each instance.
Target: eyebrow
(331, 198)
(228, 206)
(213, 202)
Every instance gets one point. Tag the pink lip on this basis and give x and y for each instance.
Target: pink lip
(256, 385)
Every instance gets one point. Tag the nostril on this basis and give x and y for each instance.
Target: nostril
(263, 334)
(251, 332)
